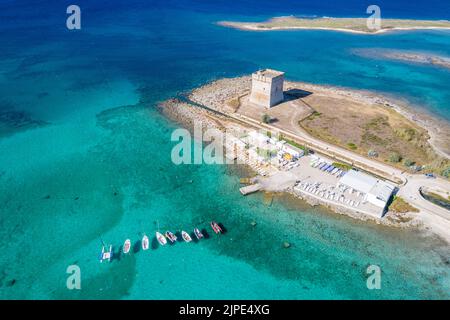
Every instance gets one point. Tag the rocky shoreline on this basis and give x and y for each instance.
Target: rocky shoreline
(403, 221)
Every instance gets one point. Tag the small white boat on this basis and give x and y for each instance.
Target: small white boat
(186, 237)
(198, 233)
(145, 243)
(161, 239)
(127, 246)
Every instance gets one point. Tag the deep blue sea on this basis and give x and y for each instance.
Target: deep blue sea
(85, 154)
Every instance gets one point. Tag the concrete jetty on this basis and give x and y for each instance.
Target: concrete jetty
(250, 189)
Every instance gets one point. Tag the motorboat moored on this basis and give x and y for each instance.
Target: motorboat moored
(145, 243)
(186, 237)
(127, 246)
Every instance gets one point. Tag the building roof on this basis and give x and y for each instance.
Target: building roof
(292, 150)
(269, 73)
(358, 181)
(368, 184)
(382, 190)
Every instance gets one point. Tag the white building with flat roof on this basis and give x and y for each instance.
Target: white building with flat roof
(267, 88)
(376, 192)
(293, 151)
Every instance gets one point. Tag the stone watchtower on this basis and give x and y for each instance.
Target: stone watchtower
(267, 88)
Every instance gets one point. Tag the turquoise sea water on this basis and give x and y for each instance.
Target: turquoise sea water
(85, 156)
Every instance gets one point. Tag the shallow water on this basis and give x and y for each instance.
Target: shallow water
(92, 160)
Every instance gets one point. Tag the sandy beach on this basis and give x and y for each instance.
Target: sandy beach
(350, 25)
(247, 27)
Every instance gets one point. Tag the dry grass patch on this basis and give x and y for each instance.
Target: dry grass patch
(399, 205)
(362, 128)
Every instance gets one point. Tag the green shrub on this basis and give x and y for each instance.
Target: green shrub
(408, 162)
(446, 172)
(297, 145)
(266, 118)
(342, 166)
(399, 205)
(352, 146)
(395, 157)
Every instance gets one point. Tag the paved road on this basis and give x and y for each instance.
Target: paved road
(411, 192)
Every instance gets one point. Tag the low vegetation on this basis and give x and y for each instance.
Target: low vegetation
(439, 197)
(395, 157)
(352, 146)
(266, 118)
(265, 153)
(313, 115)
(297, 145)
(342, 166)
(351, 24)
(446, 172)
(234, 103)
(399, 205)
(375, 131)
(408, 162)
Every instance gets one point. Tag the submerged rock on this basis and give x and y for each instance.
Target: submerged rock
(286, 245)
(11, 283)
